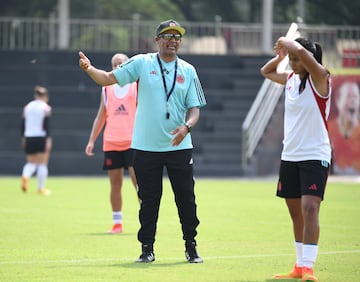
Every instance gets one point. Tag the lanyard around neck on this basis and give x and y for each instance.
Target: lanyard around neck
(168, 94)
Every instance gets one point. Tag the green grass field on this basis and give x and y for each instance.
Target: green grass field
(244, 234)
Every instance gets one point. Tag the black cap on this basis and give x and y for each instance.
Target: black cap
(169, 25)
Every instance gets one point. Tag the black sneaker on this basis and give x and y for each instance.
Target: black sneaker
(147, 254)
(191, 253)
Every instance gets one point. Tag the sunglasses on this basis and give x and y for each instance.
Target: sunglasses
(169, 36)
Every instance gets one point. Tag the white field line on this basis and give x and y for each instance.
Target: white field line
(97, 260)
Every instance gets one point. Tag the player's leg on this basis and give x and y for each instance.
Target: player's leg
(149, 172)
(314, 176)
(42, 160)
(310, 207)
(294, 207)
(31, 148)
(28, 170)
(113, 164)
(42, 173)
(289, 188)
(179, 165)
(116, 182)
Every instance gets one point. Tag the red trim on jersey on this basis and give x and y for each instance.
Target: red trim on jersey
(321, 103)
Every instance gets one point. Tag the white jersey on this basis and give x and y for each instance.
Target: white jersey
(305, 122)
(34, 114)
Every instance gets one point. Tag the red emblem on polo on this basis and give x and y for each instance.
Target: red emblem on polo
(180, 79)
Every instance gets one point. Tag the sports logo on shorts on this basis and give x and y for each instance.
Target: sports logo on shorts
(313, 187)
(108, 162)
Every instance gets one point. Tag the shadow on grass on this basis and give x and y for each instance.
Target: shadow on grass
(129, 265)
(112, 235)
(282, 280)
(139, 265)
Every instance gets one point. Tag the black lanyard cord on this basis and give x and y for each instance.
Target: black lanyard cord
(164, 82)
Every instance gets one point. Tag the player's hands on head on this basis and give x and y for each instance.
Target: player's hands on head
(279, 49)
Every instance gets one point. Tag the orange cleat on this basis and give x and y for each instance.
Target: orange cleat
(117, 228)
(296, 272)
(308, 275)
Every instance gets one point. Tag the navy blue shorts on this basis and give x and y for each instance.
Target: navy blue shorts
(118, 159)
(35, 145)
(302, 178)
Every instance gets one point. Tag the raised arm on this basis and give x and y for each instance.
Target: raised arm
(318, 72)
(101, 77)
(270, 69)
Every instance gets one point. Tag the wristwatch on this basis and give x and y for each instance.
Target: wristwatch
(188, 126)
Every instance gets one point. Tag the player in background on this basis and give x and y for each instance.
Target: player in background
(116, 116)
(306, 154)
(36, 139)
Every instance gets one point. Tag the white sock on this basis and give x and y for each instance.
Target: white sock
(28, 170)
(299, 253)
(117, 217)
(42, 174)
(310, 252)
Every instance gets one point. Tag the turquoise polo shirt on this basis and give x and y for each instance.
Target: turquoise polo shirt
(152, 128)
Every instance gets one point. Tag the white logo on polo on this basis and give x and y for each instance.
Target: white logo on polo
(191, 161)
